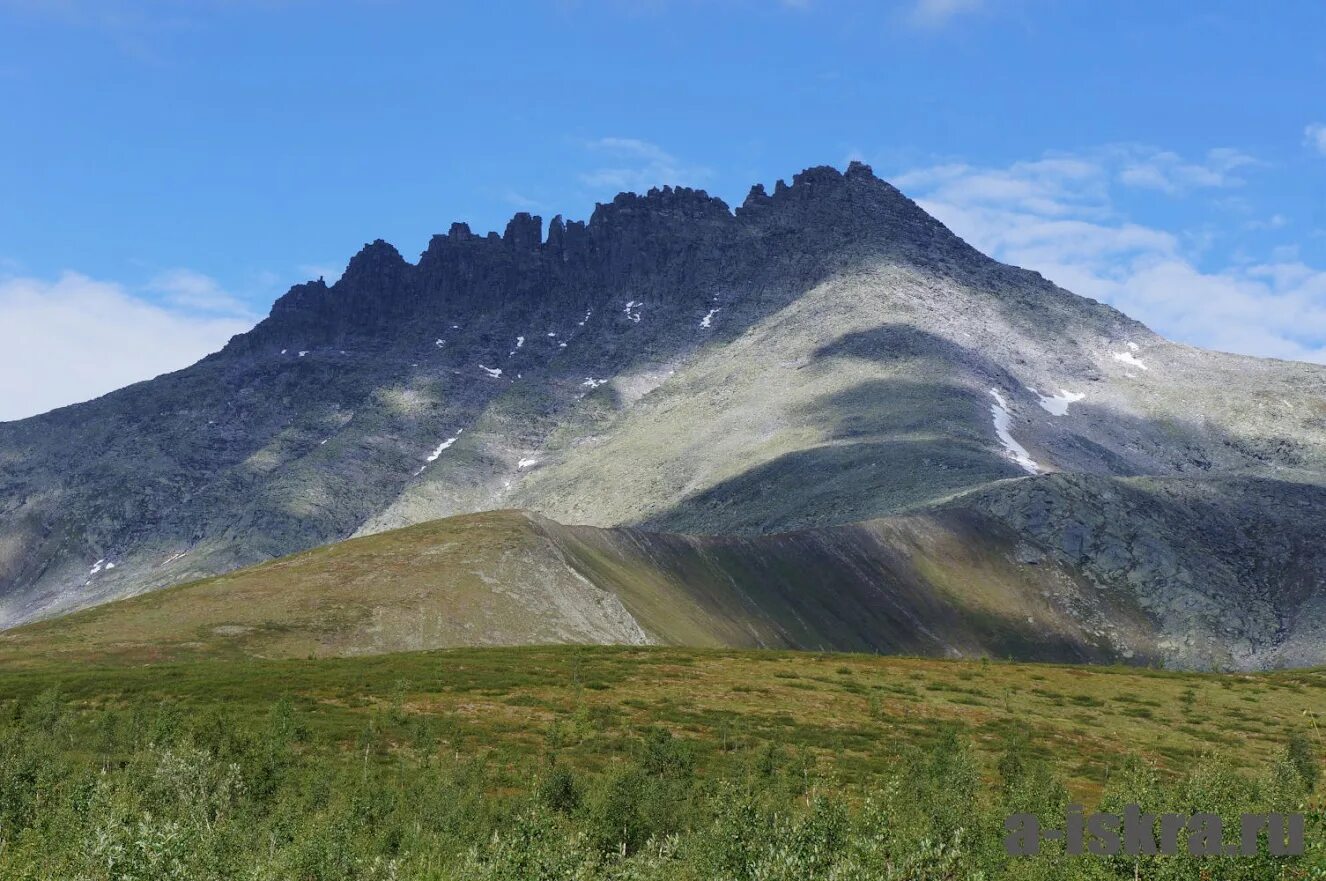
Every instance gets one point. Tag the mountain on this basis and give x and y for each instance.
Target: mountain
(823, 356)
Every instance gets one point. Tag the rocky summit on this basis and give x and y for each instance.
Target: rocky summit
(819, 420)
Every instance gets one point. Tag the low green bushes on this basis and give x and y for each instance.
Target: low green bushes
(145, 792)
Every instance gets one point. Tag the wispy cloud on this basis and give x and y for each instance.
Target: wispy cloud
(937, 13)
(636, 165)
(1315, 137)
(1056, 215)
(139, 29)
(521, 201)
(1170, 173)
(75, 338)
(190, 290)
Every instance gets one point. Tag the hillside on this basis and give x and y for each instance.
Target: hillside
(952, 583)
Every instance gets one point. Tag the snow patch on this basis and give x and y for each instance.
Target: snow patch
(303, 353)
(528, 463)
(96, 567)
(632, 311)
(1057, 405)
(1129, 358)
(446, 444)
(705, 321)
(1132, 345)
(591, 382)
(439, 344)
(437, 451)
(1003, 422)
(494, 372)
(581, 322)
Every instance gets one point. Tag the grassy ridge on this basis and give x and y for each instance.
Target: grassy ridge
(941, 584)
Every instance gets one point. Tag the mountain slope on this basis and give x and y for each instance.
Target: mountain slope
(823, 355)
(955, 582)
(941, 585)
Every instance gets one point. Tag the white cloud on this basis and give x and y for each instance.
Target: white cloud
(1170, 173)
(638, 165)
(937, 13)
(75, 338)
(193, 290)
(1275, 221)
(521, 201)
(1055, 215)
(1315, 137)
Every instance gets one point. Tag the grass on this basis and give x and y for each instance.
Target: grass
(615, 763)
(852, 714)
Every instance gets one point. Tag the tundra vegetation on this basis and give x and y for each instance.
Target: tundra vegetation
(631, 763)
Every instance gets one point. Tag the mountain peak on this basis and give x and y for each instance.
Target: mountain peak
(376, 257)
(524, 232)
(825, 355)
(692, 238)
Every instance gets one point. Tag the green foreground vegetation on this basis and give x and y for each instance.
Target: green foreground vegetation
(623, 763)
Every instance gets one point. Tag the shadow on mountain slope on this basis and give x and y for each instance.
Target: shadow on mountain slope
(942, 586)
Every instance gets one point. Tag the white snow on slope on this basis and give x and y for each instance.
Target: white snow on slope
(591, 382)
(705, 321)
(303, 353)
(633, 315)
(1129, 358)
(437, 451)
(440, 343)
(1057, 405)
(1003, 422)
(588, 312)
(96, 567)
(494, 372)
(526, 463)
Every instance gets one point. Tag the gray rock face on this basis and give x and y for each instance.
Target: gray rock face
(822, 355)
(1227, 567)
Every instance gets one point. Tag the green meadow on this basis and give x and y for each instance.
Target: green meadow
(625, 763)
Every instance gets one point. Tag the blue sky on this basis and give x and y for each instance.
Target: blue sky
(168, 168)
